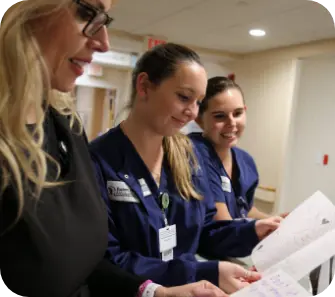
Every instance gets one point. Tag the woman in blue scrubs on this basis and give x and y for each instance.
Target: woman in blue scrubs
(156, 190)
(232, 172)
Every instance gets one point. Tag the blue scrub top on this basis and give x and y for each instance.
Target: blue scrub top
(237, 194)
(135, 217)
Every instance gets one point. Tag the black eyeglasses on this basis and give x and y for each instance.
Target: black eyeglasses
(95, 17)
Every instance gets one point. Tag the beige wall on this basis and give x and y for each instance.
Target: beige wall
(113, 78)
(312, 134)
(269, 80)
(121, 78)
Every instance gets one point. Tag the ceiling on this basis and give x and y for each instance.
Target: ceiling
(224, 24)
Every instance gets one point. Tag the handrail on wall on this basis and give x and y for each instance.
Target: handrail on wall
(268, 189)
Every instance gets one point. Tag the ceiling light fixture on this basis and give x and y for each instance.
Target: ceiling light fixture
(257, 32)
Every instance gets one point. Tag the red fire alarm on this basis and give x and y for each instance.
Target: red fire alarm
(231, 76)
(325, 159)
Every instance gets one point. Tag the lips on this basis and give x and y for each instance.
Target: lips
(78, 65)
(181, 122)
(80, 62)
(229, 135)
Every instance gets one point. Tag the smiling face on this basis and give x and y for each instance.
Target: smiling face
(174, 102)
(224, 120)
(66, 50)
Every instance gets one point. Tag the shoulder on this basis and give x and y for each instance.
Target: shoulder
(200, 143)
(108, 150)
(107, 143)
(197, 139)
(245, 157)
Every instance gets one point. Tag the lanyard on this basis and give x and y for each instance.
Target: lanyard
(164, 201)
(243, 206)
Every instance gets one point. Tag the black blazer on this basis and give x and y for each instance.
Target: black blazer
(57, 247)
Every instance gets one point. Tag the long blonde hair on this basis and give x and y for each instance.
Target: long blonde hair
(183, 164)
(25, 86)
(160, 63)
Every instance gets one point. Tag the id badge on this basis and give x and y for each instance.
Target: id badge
(167, 241)
(225, 183)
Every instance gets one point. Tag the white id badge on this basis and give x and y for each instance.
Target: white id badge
(167, 241)
(167, 255)
(226, 186)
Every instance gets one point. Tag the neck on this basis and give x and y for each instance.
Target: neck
(224, 154)
(148, 144)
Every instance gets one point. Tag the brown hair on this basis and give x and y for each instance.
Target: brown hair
(159, 64)
(217, 85)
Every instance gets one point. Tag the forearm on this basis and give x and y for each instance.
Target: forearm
(222, 213)
(254, 213)
(223, 239)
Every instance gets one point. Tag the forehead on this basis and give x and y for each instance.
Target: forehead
(192, 75)
(101, 4)
(231, 98)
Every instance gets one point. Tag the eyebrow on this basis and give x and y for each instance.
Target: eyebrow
(191, 90)
(101, 6)
(187, 88)
(220, 111)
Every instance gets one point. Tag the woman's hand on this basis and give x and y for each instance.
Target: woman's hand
(233, 277)
(267, 226)
(199, 289)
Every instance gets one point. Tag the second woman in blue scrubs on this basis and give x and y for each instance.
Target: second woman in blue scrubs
(160, 206)
(232, 172)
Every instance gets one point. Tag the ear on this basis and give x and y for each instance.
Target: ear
(245, 108)
(142, 85)
(198, 120)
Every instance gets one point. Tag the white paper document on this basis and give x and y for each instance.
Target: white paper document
(278, 284)
(304, 240)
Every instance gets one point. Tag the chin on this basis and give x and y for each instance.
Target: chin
(169, 132)
(63, 86)
(232, 144)
(226, 144)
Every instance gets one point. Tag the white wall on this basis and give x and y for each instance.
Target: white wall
(85, 106)
(313, 134)
(215, 68)
(113, 78)
(268, 86)
(121, 78)
(269, 80)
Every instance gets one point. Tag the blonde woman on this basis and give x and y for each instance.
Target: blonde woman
(53, 224)
(160, 206)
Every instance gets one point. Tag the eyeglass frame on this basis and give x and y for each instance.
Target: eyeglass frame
(96, 12)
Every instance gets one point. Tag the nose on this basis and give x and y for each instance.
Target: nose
(99, 42)
(231, 120)
(192, 110)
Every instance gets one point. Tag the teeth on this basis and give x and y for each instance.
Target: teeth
(229, 134)
(79, 63)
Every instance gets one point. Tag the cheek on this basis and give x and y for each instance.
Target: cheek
(213, 128)
(241, 124)
(217, 127)
(172, 107)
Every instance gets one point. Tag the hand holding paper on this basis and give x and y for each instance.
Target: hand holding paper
(278, 284)
(295, 246)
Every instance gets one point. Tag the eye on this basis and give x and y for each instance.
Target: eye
(84, 14)
(183, 97)
(238, 113)
(220, 116)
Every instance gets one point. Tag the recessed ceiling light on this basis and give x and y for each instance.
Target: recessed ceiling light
(257, 32)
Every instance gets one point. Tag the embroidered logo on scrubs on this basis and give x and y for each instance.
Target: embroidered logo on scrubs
(225, 182)
(119, 191)
(144, 187)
